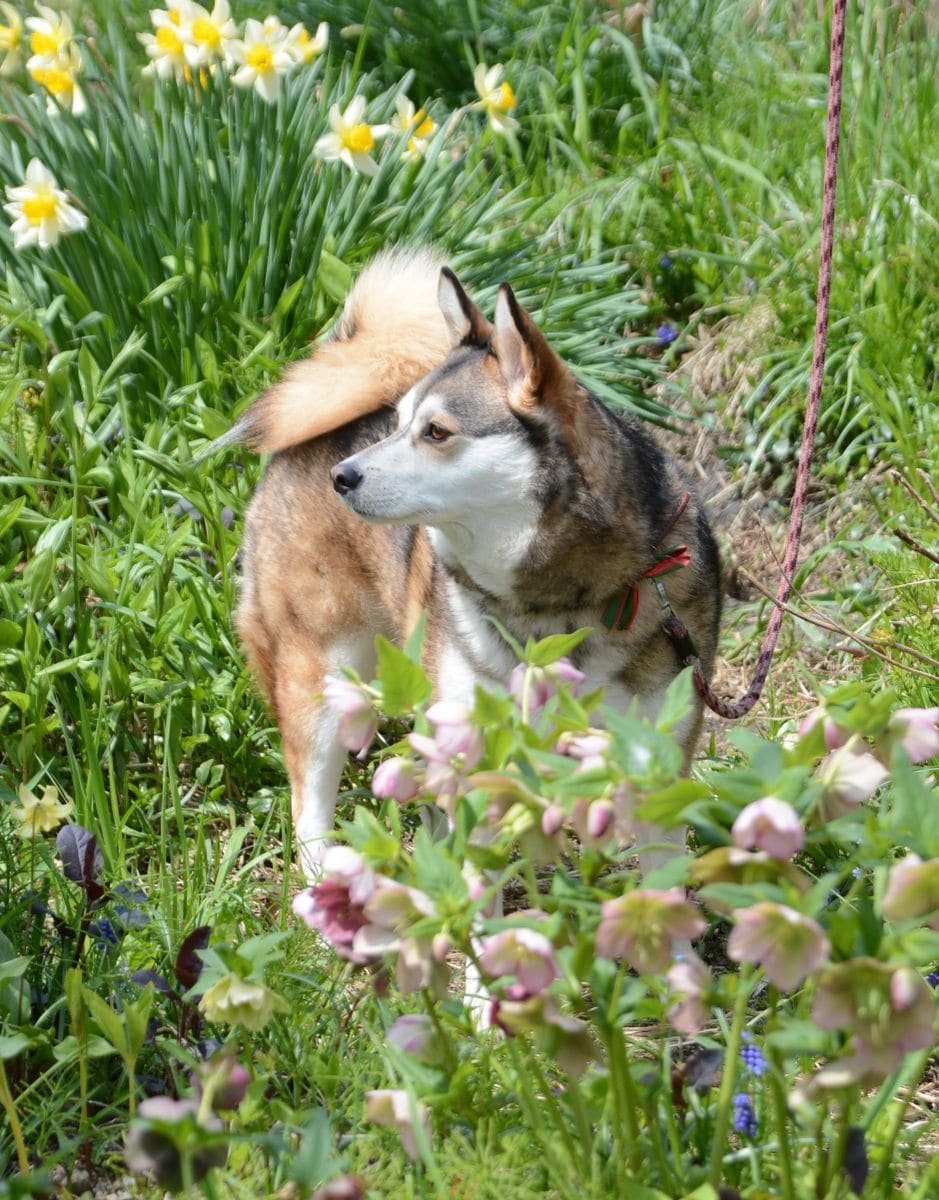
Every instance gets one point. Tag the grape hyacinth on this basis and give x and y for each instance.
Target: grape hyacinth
(745, 1121)
(752, 1056)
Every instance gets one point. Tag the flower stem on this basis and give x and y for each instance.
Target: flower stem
(6, 1099)
(920, 1063)
(729, 1076)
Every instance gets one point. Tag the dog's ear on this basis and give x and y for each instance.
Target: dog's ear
(465, 322)
(534, 375)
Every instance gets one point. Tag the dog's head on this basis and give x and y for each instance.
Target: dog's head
(472, 434)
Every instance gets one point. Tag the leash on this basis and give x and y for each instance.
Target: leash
(672, 625)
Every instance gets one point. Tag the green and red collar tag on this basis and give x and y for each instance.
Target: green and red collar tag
(621, 611)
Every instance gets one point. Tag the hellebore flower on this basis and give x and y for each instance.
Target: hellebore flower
(40, 814)
(358, 721)
(415, 1034)
(524, 953)
(918, 730)
(642, 925)
(787, 945)
(334, 906)
(688, 981)
(40, 210)
(394, 1109)
(236, 1001)
(770, 825)
(890, 1010)
(454, 732)
(850, 775)
(227, 1077)
(164, 1133)
(536, 685)
(912, 889)
(396, 779)
(835, 735)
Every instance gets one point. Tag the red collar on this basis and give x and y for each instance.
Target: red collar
(620, 612)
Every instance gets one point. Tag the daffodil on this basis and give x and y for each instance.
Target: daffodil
(419, 127)
(11, 38)
(56, 62)
(209, 38)
(306, 49)
(351, 139)
(495, 96)
(165, 48)
(50, 33)
(264, 57)
(40, 814)
(41, 211)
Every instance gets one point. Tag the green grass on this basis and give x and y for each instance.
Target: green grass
(218, 247)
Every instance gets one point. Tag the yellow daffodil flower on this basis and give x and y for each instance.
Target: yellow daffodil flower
(495, 96)
(351, 139)
(265, 58)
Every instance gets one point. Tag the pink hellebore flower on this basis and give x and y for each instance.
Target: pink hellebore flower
(642, 925)
(542, 682)
(890, 1010)
(455, 733)
(524, 953)
(358, 721)
(851, 775)
(396, 779)
(788, 945)
(415, 1034)
(688, 980)
(835, 735)
(334, 906)
(391, 911)
(918, 730)
(771, 825)
(394, 1109)
(590, 748)
(912, 889)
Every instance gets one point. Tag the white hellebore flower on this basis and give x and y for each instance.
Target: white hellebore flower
(165, 48)
(351, 138)
(40, 210)
(264, 57)
(495, 96)
(306, 49)
(209, 37)
(419, 127)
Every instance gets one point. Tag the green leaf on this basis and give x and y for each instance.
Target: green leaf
(314, 1160)
(403, 682)
(71, 1048)
(668, 806)
(10, 633)
(333, 276)
(13, 968)
(10, 512)
(557, 645)
(676, 704)
(107, 1020)
(136, 1016)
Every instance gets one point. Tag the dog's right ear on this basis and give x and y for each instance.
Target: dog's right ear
(466, 324)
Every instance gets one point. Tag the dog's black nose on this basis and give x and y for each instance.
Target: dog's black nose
(346, 476)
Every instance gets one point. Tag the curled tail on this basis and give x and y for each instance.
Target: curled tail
(390, 333)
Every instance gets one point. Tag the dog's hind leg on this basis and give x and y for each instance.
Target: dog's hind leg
(314, 755)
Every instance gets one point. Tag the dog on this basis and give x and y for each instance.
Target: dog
(427, 459)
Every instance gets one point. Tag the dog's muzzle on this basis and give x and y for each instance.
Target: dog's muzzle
(346, 476)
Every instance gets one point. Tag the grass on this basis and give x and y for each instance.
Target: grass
(672, 176)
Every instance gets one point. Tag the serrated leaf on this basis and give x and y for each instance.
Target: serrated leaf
(404, 684)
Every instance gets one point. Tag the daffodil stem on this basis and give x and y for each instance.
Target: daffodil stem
(729, 1076)
(6, 1099)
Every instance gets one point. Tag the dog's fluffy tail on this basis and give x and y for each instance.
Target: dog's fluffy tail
(390, 333)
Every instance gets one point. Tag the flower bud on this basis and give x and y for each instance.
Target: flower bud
(396, 779)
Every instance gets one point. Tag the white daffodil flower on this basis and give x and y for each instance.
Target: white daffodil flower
(306, 49)
(209, 38)
(495, 96)
(351, 139)
(40, 210)
(414, 122)
(166, 48)
(11, 38)
(264, 57)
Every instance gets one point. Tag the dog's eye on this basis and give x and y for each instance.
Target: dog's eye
(436, 433)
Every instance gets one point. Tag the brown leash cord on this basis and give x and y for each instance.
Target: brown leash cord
(673, 626)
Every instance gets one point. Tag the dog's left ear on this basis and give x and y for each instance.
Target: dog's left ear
(466, 324)
(534, 375)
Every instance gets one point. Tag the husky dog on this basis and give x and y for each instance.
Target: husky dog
(427, 459)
